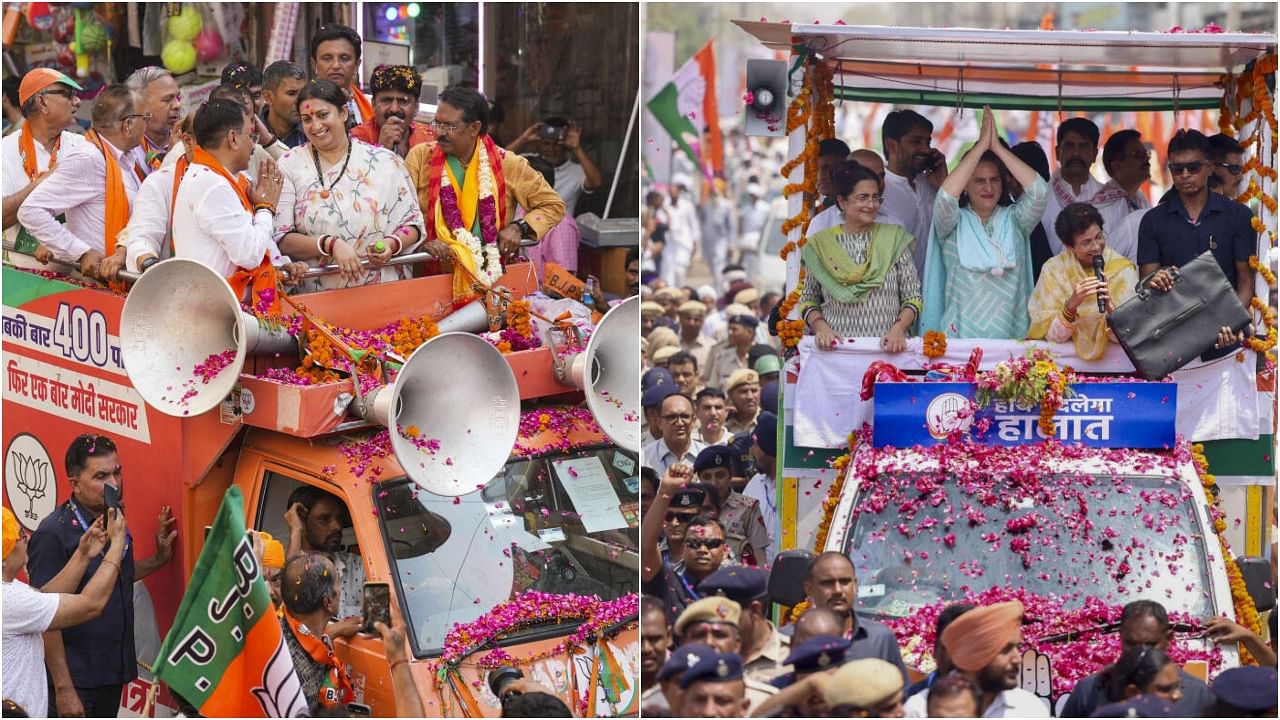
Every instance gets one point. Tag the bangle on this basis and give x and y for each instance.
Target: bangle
(1070, 317)
(401, 661)
(333, 240)
(399, 244)
(320, 245)
(264, 206)
(113, 563)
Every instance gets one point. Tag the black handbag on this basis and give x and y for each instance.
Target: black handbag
(1163, 331)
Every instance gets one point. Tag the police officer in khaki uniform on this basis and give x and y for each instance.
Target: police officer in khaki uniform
(732, 354)
(714, 621)
(764, 650)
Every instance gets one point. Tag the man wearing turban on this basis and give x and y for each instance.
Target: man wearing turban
(984, 646)
(395, 102)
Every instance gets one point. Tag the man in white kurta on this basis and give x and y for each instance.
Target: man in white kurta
(1072, 182)
(683, 231)
(913, 173)
(210, 222)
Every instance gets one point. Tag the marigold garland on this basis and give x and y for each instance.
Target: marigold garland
(935, 344)
(1246, 611)
(812, 107)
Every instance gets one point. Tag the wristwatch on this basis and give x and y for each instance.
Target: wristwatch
(148, 263)
(526, 232)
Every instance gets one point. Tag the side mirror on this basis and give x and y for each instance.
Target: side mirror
(786, 579)
(1257, 577)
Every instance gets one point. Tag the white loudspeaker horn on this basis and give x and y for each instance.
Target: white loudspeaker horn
(456, 389)
(608, 373)
(766, 114)
(179, 314)
(474, 316)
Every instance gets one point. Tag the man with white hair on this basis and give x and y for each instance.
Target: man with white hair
(161, 105)
(683, 233)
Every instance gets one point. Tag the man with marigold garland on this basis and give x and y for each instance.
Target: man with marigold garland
(469, 189)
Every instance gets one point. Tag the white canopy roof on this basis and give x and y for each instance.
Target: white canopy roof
(1217, 52)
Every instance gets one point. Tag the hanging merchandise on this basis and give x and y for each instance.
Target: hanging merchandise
(208, 45)
(40, 16)
(179, 55)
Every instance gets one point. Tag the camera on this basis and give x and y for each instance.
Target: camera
(554, 133)
(501, 677)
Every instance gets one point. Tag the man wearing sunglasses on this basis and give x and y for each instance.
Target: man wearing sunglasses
(1227, 157)
(48, 102)
(93, 185)
(1195, 220)
(696, 539)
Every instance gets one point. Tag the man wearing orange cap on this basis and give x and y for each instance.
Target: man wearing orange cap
(29, 613)
(983, 646)
(94, 185)
(48, 102)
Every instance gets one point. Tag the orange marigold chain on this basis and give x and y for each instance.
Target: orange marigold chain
(1246, 612)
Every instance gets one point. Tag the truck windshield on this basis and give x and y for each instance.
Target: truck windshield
(561, 523)
(1119, 538)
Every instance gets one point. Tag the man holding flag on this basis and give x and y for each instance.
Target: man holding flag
(226, 653)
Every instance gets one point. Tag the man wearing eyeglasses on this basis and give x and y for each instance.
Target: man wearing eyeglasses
(1195, 220)
(48, 102)
(462, 146)
(93, 185)
(1128, 161)
(677, 444)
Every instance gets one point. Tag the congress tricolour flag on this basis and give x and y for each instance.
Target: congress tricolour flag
(225, 653)
(687, 105)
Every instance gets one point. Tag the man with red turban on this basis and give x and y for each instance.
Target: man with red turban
(983, 645)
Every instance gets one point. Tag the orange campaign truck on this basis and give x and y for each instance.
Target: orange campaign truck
(494, 490)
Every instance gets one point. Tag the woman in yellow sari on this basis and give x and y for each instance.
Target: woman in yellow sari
(1064, 304)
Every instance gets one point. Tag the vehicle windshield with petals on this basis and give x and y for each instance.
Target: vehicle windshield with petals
(563, 523)
(918, 539)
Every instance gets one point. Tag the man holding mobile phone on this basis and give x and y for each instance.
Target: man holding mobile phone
(90, 663)
(316, 520)
(559, 141)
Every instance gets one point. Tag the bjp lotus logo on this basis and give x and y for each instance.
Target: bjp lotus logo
(29, 480)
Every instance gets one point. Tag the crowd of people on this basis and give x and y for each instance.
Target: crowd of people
(996, 247)
(708, 648)
(282, 170)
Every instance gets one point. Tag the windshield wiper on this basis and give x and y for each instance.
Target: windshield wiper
(1106, 629)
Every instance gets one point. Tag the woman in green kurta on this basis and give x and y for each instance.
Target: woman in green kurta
(860, 280)
(977, 276)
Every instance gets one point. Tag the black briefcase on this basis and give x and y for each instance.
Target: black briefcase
(1163, 331)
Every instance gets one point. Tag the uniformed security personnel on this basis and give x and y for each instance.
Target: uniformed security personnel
(869, 687)
(743, 523)
(731, 354)
(715, 621)
(763, 648)
(667, 700)
(715, 688)
(656, 385)
(798, 695)
(692, 314)
(743, 390)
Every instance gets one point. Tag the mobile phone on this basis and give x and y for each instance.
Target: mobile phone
(377, 605)
(552, 132)
(111, 496)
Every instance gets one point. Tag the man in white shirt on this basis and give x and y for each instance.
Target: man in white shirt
(559, 142)
(81, 185)
(831, 217)
(1072, 182)
(683, 231)
(677, 444)
(29, 613)
(210, 221)
(161, 101)
(1128, 161)
(48, 102)
(983, 646)
(915, 172)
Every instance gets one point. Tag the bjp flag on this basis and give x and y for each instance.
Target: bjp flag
(225, 653)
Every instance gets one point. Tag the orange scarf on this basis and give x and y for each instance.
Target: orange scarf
(117, 198)
(261, 278)
(154, 154)
(362, 103)
(336, 687)
(27, 149)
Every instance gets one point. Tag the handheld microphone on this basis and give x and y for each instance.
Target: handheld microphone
(1098, 264)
